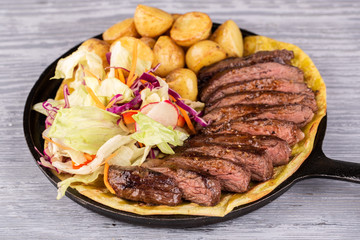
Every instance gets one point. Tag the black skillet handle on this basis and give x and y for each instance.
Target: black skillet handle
(322, 166)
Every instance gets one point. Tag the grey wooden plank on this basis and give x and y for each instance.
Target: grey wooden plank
(35, 33)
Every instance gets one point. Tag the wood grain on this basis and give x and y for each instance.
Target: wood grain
(34, 33)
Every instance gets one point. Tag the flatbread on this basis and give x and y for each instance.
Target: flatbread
(98, 192)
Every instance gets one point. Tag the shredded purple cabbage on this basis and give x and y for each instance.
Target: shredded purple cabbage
(108, 57)
(150, 78)
(51, 111)
(117, 98)
(195, 115)
(133, 104)
(66, 94)
(154, 68)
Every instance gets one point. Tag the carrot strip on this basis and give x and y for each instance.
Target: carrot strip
(140, 144)
(95, 98)
(186, 117)
(57, 144)
(121, 76)
(89, 157)
(187, 120)
(133, 64)
(106, 172)
(132, 80)
(110, 104)
(93, 75)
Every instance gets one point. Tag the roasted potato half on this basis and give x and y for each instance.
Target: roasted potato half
(184, 82)
(144, 51)
(191, 28)
(120, 29)
(204, 53)
(168, 54)
(148, 41)
(229, 37)
(151, 22)
(98, 47)
(175, 16)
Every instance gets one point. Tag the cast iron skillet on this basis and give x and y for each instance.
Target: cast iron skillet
(316, 165)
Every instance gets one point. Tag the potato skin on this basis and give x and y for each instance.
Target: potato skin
(144, 51)
(148, 41)
(120, 29)
(175, 16)
(202, 54)
(169, 55)
(151, 22)
(229, 37)
(191, 28)
(98, 47)
(184, 82)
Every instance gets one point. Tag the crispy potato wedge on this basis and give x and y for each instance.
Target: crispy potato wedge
(148, 41)
(151, 22)
(204, 53)
(169, 55)
(191, 28)
(120, 29)
(144, 51)
(229, 37)
(184, 82)
(98, 47)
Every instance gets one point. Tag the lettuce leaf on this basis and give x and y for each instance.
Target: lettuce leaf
(121, 57)
(151, 132)
(66, 66)
(156, 95)
(86, 179)
(84, 128)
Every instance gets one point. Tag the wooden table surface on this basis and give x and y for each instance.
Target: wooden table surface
(34, 33)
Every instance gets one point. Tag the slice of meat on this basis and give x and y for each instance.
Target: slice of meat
(268, 84)
(280, 56)
(144, 185)
(298, 114)
(277, 149)
(257, 71)
(266, 98)
(196, 188)
(287, 131)
(232, 177)
(254, 159)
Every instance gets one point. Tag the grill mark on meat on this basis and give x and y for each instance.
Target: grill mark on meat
(287, 131)
(232, 177)
(264, 97)
(205, 191)
(279, 56)
(255, 160)
(277, 149)
(298, 114)
(257, 71)
(268, 84)
(144, 185)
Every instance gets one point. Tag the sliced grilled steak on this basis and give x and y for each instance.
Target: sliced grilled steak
(280, 56)
(196, 188)
(269, 84)
(277, 149)
(254, 159)
(144, 185)
(287, 131)
(232, 177)
(265, 97)
(257, 71)
(298, 114)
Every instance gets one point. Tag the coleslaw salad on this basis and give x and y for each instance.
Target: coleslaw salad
(120, 115)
